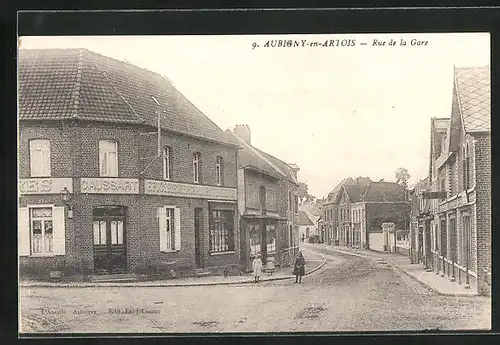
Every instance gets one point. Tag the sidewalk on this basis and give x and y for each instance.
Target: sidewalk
(314, 261)
(430, 280)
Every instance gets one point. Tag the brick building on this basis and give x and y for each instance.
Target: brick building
(460, 169)
(420, 217)
(267, 203)
(99, 192)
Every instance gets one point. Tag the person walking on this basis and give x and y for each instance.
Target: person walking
(257, 268)
(299, 268)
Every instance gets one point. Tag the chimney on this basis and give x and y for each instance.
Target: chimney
(295, 169)
(243, 131)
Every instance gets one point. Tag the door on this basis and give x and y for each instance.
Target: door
(109, 240)
(198, 219)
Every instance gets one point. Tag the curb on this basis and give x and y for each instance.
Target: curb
(411, 275)
(86, 285)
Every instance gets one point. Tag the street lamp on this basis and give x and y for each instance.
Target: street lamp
(66, 198)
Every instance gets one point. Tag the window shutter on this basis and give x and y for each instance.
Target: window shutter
(162, 227)
(23, 231)
(59, 231)
(177, 220)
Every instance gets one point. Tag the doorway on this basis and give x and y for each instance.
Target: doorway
(109, 240)
(198, 226)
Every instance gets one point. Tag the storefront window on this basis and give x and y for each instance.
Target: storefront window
(271, 238)
(253, 230)
(221, 231)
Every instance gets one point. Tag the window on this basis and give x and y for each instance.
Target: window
(167, 161)
(291, 236)
(219, 170)
(170, 229)
(196, 167)
(271, 238)
(100, 232)
(290, 203)
(42, 231)
(443, 238)
(108, 158)
(40, 158)
(466, 240)
(443, 187)
(466, 167)
(252, 196)
(271, 201)
(296, 203)
(453, 239)
(253, 230)
(221, 231)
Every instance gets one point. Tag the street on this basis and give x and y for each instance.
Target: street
(349, 293)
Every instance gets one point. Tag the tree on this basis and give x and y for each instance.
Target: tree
(402, 177)
(302, 191)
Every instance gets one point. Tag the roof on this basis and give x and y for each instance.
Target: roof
(354, 192)
(304, 219)
(332, 195)
(250, 156)
(384, 191)
(57, 84)
(473, 85)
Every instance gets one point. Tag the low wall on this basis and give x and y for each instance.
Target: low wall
(376, 241)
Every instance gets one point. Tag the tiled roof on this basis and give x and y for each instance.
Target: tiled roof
(474, 95)
(354, 192)
(304, 219)
(57, 84)
(282, 166)
(248, 156)
(384, 191)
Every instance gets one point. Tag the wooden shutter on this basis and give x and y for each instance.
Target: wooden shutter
(177, 222)
(59, 230)
(162, 227)
(23, 231)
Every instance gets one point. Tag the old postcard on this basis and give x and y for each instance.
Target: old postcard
(254, 183)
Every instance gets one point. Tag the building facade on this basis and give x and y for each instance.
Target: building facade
(102, 189)
(460, 171)
(267, 203)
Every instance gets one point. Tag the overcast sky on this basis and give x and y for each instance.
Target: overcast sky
(333, 111)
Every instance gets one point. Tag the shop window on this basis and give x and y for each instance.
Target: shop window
(169, 228)
(40, 158)
(271, 238)
(108, 158)
(196, 167)
(221, 237)
(253, 230)
(219, 166)
(167, 162)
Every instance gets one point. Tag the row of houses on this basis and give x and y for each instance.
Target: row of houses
(451, 208)
(355, 211)
(120, 173)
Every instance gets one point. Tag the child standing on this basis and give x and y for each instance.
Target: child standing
(257, 267)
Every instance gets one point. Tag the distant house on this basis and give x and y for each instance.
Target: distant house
(309, 214)
(267, 202)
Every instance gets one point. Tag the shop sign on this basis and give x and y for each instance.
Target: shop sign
(44, 185)
(186, 190)
(433, 195)
(109, 186)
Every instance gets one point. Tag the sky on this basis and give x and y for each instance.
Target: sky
(335, 111)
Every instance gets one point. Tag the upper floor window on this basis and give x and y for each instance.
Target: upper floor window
(466, 167)
(167, 161)
(108, 158)
(290, 203)
(296, 203)
(40, 157)
(219, 170)
(196, 167)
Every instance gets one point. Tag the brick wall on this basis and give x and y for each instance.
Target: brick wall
(75, 153)
(482, 164)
